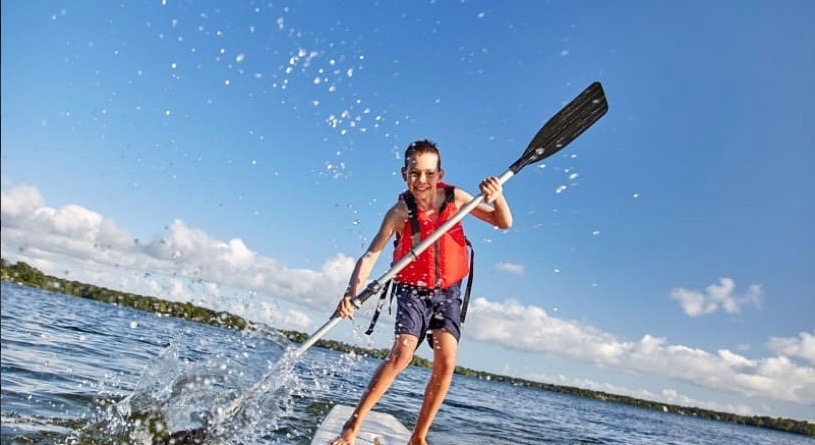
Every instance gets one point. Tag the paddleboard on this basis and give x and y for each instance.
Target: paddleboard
(377, 428)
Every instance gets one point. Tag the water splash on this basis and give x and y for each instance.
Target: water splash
(272, 394)
(178, 400)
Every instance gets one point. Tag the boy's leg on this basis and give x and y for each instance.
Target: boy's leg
(400, 356)
(445, 346)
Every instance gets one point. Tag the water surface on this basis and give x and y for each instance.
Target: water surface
(76, 371)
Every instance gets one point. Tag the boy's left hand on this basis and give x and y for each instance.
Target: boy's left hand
(491, 188)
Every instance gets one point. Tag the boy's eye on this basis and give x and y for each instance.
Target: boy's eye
(416, 175)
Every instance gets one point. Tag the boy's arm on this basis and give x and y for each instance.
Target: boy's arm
(496, 212)
(392, 222)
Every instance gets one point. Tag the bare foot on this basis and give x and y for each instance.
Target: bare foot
(417, 441)
(348, 435)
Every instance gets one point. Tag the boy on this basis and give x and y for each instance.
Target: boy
(428, 289)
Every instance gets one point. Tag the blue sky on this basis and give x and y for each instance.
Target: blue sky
(240, 155)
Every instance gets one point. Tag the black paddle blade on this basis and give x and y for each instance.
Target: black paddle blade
(575, 118)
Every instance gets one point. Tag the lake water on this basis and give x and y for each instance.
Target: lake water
(75, 371)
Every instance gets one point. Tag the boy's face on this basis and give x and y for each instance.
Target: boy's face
(422, 173)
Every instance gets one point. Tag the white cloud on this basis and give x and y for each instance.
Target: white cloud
(21, 201)
(803, 346)
(717, 296)
(273, 315)
(736, 360)
(530, 328)
(515, 269)
(181, 263)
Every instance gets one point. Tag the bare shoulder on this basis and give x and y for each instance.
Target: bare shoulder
(462, 197)
(396, 215)
(392, 222)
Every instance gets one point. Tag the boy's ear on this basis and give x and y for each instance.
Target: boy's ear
(404, 174)
(441, 174)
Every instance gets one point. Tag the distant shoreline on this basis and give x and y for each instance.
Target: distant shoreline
(26, 275)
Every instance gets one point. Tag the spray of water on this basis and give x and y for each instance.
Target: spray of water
(270, 395)
(201, 401)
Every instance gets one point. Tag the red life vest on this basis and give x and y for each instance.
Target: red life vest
(441, 265)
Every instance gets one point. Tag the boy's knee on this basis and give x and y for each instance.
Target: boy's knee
(399, 359)
(402, 353)
(445, 361)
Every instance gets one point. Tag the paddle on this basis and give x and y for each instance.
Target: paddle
(580, 114)
(575, 118)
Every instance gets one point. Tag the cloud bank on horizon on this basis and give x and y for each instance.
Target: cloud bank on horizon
(186, 264)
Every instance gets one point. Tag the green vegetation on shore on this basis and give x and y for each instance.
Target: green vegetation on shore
(23, 274)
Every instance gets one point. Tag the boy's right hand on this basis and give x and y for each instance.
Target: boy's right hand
(346, 308)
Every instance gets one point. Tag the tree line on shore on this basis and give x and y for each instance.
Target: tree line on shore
(24, 274)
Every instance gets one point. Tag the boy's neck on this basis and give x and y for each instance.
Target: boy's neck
(430, 203)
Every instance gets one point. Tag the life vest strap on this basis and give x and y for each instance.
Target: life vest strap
(465, 302)
(386, 289)
(413, 217)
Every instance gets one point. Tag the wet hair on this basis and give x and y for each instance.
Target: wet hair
(422, 146)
